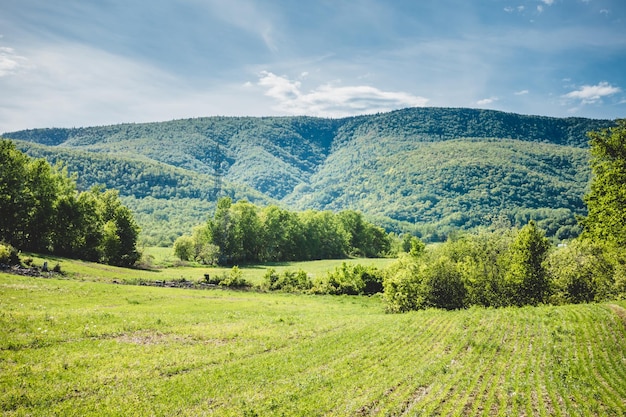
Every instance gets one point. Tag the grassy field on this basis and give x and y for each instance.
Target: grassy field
(165, 268)
(70, 347)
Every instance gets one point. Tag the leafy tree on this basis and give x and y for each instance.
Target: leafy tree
(223, 232)
(527, 281)
(325, 237)
(483, 258)
(606, 202)
(353, 223)
(43, 188)
(120, 231)
(282, 234)
(417, 247)
(89, 221)
(184, 248)
(15, 196)
(249, 232)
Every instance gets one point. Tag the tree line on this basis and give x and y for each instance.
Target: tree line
(505, 267)
(41, 211)
(245, 233)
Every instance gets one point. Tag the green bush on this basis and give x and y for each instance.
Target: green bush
(402, 285)
(8, 255)
(582, 272)
(442, 285)
(232, 279)
(351, 280)
(288, 281)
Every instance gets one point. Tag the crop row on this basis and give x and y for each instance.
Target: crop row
(97, 349)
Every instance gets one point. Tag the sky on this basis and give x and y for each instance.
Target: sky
(77, 63)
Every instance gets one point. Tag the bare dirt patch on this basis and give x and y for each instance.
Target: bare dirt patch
(147, 338)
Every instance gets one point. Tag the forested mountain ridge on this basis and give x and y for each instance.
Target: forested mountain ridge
(240, 148)
(437, 168)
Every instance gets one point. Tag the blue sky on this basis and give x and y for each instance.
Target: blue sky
(71, 63)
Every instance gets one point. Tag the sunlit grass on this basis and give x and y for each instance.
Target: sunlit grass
(72, 347)
(89, 271)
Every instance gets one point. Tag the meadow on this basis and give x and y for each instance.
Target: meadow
(84, 347)
(162, 265)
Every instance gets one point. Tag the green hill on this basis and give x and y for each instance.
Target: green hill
(425, 170)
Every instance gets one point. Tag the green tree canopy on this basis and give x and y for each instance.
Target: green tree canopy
(606, 201)
(527, 280)
(41, 211)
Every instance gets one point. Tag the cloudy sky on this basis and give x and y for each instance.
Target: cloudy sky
(71, 63)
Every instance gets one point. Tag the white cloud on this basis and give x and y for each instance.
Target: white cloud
(332, 100)
(540, 8)
(589, 94)
(10, 62)
(521, 93)
(280, 88)
(486, 101)
(548, 2)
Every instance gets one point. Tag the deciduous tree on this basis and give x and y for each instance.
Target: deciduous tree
(606, 200)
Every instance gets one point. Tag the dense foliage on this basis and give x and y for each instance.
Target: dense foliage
(244, 233)
(607, 199)
(505, 267)
(41, 211)
(427, 171)
(456, 184)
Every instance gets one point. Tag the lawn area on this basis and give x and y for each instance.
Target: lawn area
(165, 270)
(70, 347)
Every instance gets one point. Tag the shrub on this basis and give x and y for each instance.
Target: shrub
(8, 255)
(289, 281)
(442, 285)
(232, 279)
(351, 280)
(402, 285)
(582, 272)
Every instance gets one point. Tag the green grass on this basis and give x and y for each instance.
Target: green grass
(89, 271)
(88, 348)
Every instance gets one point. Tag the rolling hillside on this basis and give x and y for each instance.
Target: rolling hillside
(425, 170)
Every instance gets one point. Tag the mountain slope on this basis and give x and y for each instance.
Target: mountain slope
(429, 170)
(457, 184)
